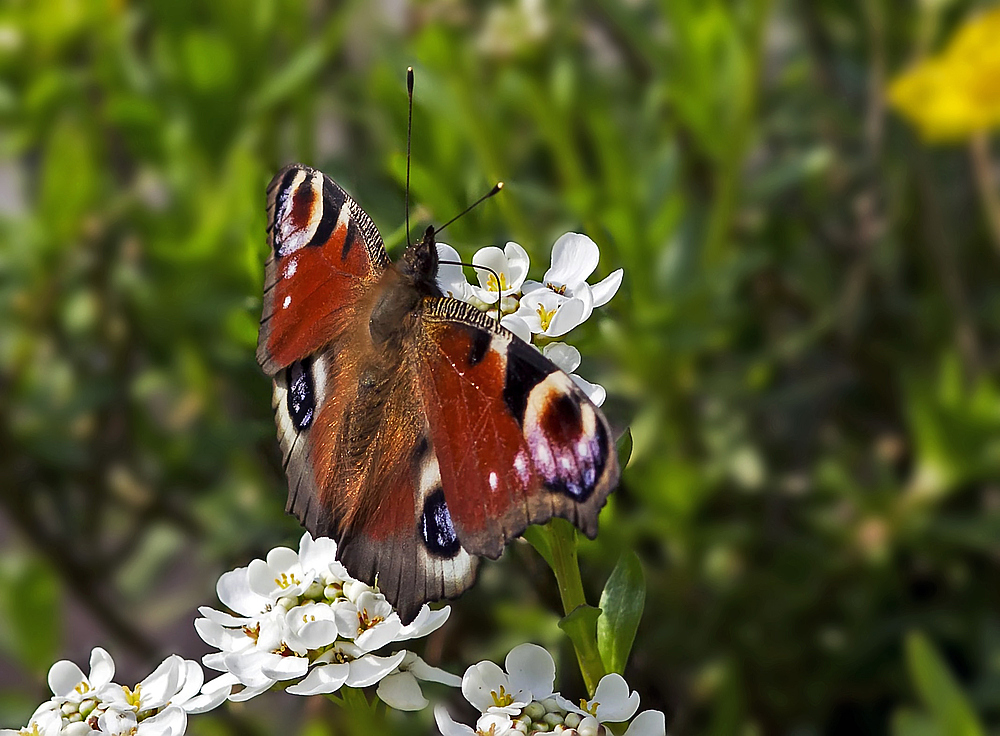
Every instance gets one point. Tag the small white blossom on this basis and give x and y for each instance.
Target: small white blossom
(401, 690)
(520, 700)
(574, 259)
(451, 277)
(552, 314)
(509, 264)
(93, 704)
(304, 624)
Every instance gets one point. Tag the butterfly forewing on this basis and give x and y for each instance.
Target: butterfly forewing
(325, 256)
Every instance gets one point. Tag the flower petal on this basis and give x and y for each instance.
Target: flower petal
(572, 313)
(614, 702)
(450, 277)
(402, 692)
(63, 677)
(481, 681)
(171, 721)
(213, 694)
(566, 357)
(284, 668)
(517, 266)
(595, 391)
(250, 692)
(648, 723)
(426, 672)
(574, 258)
(532, 670)
(380, 634)
(370, 669)
(447, 726)
(324, 678)
(518, 326)
(607, 288)
(102, 668)
(162, 683)
(427, 620)
(234, 591)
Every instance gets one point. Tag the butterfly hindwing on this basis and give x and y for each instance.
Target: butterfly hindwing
(325, 255)
(516, 440)
(361, 468)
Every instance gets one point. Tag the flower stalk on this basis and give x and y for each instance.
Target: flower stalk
(566, 567)
(986, 183)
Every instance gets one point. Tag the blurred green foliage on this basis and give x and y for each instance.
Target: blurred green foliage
(805, 347)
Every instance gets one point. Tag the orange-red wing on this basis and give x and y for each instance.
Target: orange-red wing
(516, 441)
(326, 253)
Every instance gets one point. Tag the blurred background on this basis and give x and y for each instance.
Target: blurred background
(805, 346)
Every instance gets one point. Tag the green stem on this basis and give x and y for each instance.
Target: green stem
(566, 566)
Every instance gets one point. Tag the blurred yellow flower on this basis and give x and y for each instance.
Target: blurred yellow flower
(955, 94)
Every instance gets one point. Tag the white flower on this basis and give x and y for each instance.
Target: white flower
(510, 265)
(307, 625)
(530, 675)
(493, 724)
(346, 664)
(68, 683)
(401, 690)
(521, 701)
(517, 325)
(451, 277)
(281, 575)
(567, 358)
(552, 314)
(612, 702)
(574, 259)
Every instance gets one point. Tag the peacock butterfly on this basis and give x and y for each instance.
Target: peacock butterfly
(414, 429)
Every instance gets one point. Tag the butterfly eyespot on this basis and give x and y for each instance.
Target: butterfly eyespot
(301, 394)
(436, 527)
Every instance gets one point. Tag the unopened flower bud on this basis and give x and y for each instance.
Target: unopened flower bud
(68, 709)
(87, 706)
(314, 591)
(74, 718)
(78, 729)
(534, 710)
(286, 603)
(332, 592)
(553, 718)
(541, 727)
(551, 704)
(521, 726)
(588, 726)
(572, 719)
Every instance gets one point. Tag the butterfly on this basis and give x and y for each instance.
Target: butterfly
(414, 429)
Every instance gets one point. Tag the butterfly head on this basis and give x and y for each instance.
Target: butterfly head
(420, 264)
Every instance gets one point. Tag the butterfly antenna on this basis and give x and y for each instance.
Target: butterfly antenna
(409, 131)
(495, 190)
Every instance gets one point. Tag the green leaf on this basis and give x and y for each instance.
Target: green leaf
(580, 626)
(906, 722)
(625, 448)
(943, 697)
(621, 602)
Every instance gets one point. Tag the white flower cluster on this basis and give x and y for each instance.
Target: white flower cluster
(537, 312)
(92, 704)
(521, 701)
(303, 621)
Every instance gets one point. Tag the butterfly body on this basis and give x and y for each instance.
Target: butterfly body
(414, 429)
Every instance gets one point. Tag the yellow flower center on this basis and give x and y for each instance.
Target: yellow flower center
(82, 687)
(366, 622)
(492, 285)
(286, 581)
(131, 696)
(501, 699)
(545, 316)
(590, 707)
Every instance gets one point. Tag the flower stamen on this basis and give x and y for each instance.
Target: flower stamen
(501, 699)
(545, 316)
